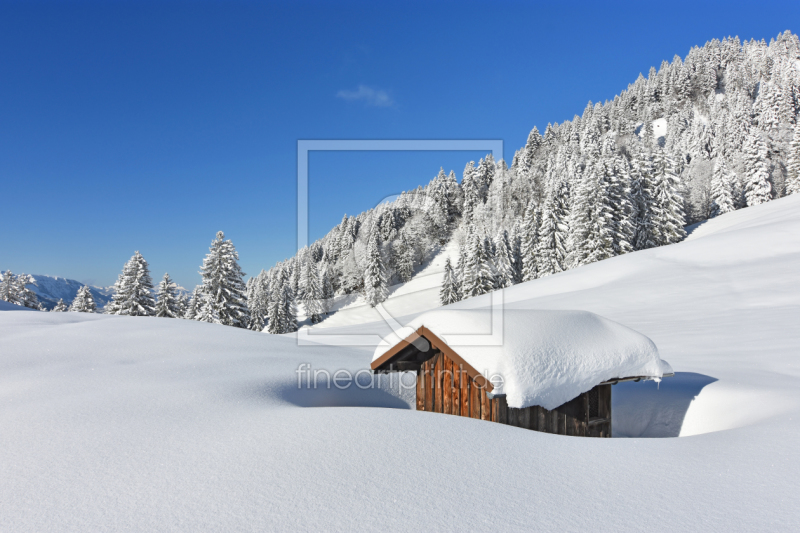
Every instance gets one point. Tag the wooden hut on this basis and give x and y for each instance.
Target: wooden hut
(448, 381)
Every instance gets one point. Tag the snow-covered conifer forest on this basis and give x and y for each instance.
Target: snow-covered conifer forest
(698, 137)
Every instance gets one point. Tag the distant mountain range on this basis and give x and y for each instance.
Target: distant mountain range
(50, 288)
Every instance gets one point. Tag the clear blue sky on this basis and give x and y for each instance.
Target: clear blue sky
(150, 126)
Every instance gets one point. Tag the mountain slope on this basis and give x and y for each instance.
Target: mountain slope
(161, 424)
(49, 289)
(708, 134)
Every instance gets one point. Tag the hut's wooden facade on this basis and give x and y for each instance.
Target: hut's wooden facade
(447, 384)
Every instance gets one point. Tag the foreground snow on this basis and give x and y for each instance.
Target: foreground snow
(113, 423)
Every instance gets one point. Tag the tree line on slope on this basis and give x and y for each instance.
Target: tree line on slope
(698, 138)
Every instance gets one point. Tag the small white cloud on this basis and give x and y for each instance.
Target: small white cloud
(368, 95)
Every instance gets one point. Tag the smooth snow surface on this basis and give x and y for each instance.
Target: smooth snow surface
(142, 424)
(541, 357)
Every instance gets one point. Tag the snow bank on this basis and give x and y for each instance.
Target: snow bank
(543, 358)
(6, 306)
(143, 424)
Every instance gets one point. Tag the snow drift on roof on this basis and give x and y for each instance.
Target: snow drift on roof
(543, 357)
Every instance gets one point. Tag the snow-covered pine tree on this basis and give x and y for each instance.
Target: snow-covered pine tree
(758, 187)
(479, 278)
(551, 248)
(121, 291)
(721, 189)
(668, 216)
(167, 299)
(182, 303)
(294, 277)
(133, 291)
(516, 255)
(793, 166)
(27, 297)
(276, 319)
(141, 302)
(195, 304)
(14, 289)
(8, 288)
(642, 197)
(282, 312)
(471, 188)
(375, 288)
(289, 305)
(83, 302)
(60, 307)
(530, 238)
(616, 184)
(449, 292)
(460, 268)
(311, 291)
(599, 241)
(503, 262)
(225, 301)
(258, 301)
(404, 258)
(328, 293)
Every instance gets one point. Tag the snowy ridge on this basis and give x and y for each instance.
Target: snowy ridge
(49, 289)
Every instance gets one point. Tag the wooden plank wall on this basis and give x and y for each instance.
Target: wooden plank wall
(443, 387)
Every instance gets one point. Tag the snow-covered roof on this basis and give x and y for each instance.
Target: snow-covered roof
(542, 357)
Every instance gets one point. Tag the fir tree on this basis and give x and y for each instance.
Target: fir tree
(312, 292)
(83, 302)
(223, 289)
(282, 313)
(8, 288)
(503, 262)
(668, 215)
(758, 189)
(404, 254)
(530, 239)
(258, 301)
(642, 195)
(479, 278)
(449, 292)
(328, 293)
(516, 255)
(721, 190)
(195, 304)
(460, 270)
(167, 299)
(552, 244)
(793, 167)
(14, 289)
(133, 294)
(375, 288)
(616, 188)
(60, 307)
(182, 304)
(599, 243)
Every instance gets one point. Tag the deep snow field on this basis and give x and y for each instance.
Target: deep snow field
(124, 423)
